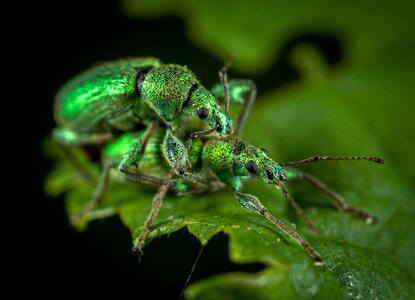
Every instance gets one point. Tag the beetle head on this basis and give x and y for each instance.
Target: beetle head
(171, 89)
(230, 156)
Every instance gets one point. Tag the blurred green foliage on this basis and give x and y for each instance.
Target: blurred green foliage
(364, 106)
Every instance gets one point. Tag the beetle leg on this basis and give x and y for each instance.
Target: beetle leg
(136, 152)
(237, 91)
(338, 200)
(157, 202)
(97, 195)
(161, 193)
(132, 157)
(223, 77)
(298, 210)
(184, 186)
(252, 204)
(247, 106)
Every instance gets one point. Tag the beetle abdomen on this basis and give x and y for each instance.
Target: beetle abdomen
(105, 91)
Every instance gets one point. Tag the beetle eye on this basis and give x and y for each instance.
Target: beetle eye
(203, 112)
(218, 127)
(251, 166)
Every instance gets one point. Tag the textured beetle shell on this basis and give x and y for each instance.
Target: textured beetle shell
(165, 89)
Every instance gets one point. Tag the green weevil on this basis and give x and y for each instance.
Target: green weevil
(212, 163)
(121, 95)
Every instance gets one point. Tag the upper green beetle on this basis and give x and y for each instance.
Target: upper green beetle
(119, 95)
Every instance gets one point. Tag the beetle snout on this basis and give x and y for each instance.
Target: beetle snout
(223, 129)
(276, 174)
(282, 176)
(223, 124)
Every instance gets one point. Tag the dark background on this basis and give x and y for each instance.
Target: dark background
(60, 41)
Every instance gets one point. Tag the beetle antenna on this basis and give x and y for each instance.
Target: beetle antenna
(317, 158)
(223, 76)
(296, 207)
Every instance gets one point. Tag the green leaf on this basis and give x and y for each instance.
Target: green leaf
(255, 32)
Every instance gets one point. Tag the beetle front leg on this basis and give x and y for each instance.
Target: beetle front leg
(238, 89)
(156, 205)
(338, 200)
(161, 193)
(252, 204)
(298, 210)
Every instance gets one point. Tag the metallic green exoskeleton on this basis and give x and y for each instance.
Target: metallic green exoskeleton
(121, 95)
(211, 163)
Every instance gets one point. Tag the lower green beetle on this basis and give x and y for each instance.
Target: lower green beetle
(226, 161)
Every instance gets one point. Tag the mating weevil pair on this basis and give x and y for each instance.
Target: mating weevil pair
(105, 106)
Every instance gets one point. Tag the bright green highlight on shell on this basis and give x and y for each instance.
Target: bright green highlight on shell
(121, 145)
(101, 90)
